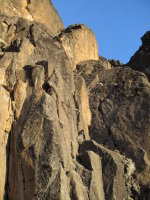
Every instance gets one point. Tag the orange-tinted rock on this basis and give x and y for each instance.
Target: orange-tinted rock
(79, 43)
(34, 10)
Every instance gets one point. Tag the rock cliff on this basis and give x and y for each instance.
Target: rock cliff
(141, 60)
(73, 125)
(34, 10)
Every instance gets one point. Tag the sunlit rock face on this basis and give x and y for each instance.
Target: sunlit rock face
(79, 43)
(34, 10)
(73, 125)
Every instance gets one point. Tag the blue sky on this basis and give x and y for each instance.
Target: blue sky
(117, 24)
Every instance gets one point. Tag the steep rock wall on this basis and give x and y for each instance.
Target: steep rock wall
(34, 10)
(119, 99)
(73, 125)
(141, 59)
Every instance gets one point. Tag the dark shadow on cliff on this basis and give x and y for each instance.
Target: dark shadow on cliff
(6, 195)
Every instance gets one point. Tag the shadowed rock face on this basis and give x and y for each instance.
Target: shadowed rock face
(141, 59)
(73, 125)
(119, 99)
(34, 10)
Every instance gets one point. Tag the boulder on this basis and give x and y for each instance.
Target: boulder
(79, 43)
(104, 62)
(115, 63)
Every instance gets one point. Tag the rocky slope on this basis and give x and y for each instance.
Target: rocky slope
(73, 125)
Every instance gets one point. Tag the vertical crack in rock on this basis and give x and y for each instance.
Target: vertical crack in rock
(6, 194)
(23, 177)
(32, 40)
(28, 72)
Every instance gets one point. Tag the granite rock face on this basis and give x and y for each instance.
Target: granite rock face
(34, 10)
(119, 100)
(141, 59)
(79, 43)
(73, 125)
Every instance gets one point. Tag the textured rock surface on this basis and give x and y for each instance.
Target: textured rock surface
(115, 63)
(141, 60)
(42, 110)
(79, 43)
(34, 10)
(68, 134)
(119, 100)
(104, 62)
(112, 170)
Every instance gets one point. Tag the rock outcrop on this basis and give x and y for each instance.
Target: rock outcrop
(79, 43)
(34, 10)
(115, 63)
(119, 99)
(141, 60)
(73, 125)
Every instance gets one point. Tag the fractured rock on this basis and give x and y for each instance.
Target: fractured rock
(6, 119)
(104, 62)
(73, 125)
(34, 10)
(30, 77)
(83, 110)
(115, 63)
(109, 171)
(141, 59)
(43, 144)
(119, 102)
